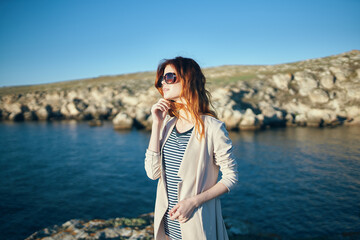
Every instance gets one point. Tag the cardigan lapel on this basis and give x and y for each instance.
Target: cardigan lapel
(188, 161)
(191, 146)
(167, 133)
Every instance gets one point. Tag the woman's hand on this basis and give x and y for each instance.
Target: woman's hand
(183, 210)
(159, 110)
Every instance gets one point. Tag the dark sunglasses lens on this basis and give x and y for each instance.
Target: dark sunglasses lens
(170, 78)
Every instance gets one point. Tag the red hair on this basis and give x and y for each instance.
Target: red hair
(193, 91)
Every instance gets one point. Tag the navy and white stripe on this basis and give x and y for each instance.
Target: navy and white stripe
(173, 152)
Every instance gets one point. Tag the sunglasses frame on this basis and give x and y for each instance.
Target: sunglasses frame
(170, 78)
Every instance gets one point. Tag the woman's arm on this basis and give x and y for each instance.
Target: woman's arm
(213, 192)
(154, 144)
(183, 209)
(152, 155)
(224, 157)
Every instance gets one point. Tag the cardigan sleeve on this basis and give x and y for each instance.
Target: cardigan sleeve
(153, 159)
(152, 164)
(224, 157)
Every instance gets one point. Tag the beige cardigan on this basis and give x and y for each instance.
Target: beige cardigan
(199, 171)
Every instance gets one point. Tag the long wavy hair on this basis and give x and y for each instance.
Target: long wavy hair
(193, 91)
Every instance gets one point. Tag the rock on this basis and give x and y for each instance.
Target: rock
(353, 111)
(118, 228)
(331, 84)
(300, 119)
(352, 89)
(95, 122)
(282, 80)
(130, 100)
(357, 72)
(141, 116)
(269, 116)
(122, 121)
(42, 113)
(249, 121)
(92, 111)
(53, 98)
(327, 80)
(80, 104)
(296, 107)
(125, 232)
(306, 82)
(320, 117)
(232, 118)
(353, 121)
(340, 73)
(318, 96)
(13, 107)
(70, 95)
(290, 120)
(72, 110)
(221, 95)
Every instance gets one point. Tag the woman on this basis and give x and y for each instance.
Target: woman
(188, 146)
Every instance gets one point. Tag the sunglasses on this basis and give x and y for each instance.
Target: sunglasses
(169, 78)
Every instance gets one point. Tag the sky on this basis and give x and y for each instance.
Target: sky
(44, 41)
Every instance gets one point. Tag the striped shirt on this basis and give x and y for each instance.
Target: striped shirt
(173, 152)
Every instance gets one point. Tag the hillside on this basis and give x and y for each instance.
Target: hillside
(315, 92)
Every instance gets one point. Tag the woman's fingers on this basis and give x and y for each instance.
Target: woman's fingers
(174, 209)
(164, 102)
(175, 216)
(159, 110)
(163, 106)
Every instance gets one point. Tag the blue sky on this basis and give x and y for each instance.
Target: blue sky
(43, 41)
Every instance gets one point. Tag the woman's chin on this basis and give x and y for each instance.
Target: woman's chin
(168, 97)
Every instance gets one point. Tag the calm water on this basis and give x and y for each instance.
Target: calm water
(296, 182)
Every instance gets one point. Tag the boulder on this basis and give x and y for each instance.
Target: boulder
(327, 80)
(340, 73)
(42, 113)
(282, 80)
(306, 82)
(249, 121)
(232, 118)
(319, 96)
(320, 117)
(352, 111)
(122, 121)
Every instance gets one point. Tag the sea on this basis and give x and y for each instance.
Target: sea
(298, 182)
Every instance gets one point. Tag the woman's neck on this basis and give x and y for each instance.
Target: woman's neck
(184, 119)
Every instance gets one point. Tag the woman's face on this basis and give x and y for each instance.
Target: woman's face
(172, 91)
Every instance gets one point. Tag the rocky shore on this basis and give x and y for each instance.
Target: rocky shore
(142, 228)
(322, 92)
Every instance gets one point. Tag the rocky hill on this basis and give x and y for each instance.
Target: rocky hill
(316, 92)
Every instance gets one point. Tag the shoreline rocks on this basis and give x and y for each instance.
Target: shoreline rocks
(142, 228)
(323, 92)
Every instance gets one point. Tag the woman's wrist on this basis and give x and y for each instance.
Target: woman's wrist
(196, 200)
(156, 124)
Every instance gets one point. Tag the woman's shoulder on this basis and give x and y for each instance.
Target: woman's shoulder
(213, 125)
(212, 121)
